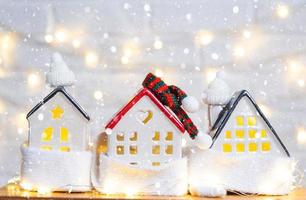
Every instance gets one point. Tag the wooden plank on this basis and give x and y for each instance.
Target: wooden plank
(13, 192)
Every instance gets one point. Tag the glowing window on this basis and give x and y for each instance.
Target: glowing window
(133, 150)
(156, 136)
(239, 133)
(240, 147)
(156, 149)
(252, 133)
(46, 148)
(120, 150)
(169, 136)
(252, 147)
(228, 134)
(133, 137)
(65, 148)
(227, 148)
(252, 121)
(169, 149)
(64, 135)
(156, 163)
(47, 134)
(120, 137)
(263, 133)
(265, 146)
(240, 120)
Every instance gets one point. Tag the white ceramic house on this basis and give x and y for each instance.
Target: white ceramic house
(56, 156)
(145, 133)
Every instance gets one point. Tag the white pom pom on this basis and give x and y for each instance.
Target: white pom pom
(108, 131)
(203, 141)
(190, 104)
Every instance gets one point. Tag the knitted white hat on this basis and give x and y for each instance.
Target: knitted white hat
(218, 92)
(59, 74)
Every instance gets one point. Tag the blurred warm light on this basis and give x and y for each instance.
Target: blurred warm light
(2, 106)
(239, 52)
(158, 44)
(43, 190)
(294, 66)
(130, 191)
(158, 72)
(91, 59)
(61, 35)
(301, 135)
(184, 142)
(76, 43)
(26, 185)
(34, 80)
(21, 121)
(124, 60)
(49, 38)
(210, 74)
(203, 38)
(247, 34)
(282, 11)
(7, 44)
(131, 49)
(265, 109)
(98, 95)
(301, 83)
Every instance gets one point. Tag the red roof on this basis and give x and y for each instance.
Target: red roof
(142, 93)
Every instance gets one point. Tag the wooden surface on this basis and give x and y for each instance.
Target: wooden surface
(13, 192)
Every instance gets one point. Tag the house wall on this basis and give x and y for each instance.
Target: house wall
(252, 143)
(133, 122)
(71, 119)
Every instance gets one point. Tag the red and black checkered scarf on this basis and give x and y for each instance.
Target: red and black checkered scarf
(172, 97)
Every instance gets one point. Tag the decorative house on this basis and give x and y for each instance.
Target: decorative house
(244, 145)
(145, 145)
(58, 138)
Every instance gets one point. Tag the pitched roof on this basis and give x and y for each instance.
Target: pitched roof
(225, 114)
(62, 90)
(145, 92)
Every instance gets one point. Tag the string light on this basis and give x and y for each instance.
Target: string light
(282, 11)
(203, 38)
(301, 135)
(158, 44)
(98, 95)
(91, 59)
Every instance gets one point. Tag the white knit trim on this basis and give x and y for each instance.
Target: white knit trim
(55, 170)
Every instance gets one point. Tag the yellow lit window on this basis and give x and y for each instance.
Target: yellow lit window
(156, 149)
(240, 120)
(265, 146)
(240, 147)
(120, 150)
(169, 136)
(156, 163)
(239, 133)
(227, 148)
(47, 134)
(65, 148)
(169, 149)
(133, 137)
(46, 148)
(263, 133)
(252, 133)
(228, 134)
(120, 137)
(133, 150)
(156, 136)
(64, 136)
(252, 147)
(252, 121)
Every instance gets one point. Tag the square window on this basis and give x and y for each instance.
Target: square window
(239, 120)
(252, 147)
(169, 136)
(155, 163)
(65, 148)
(120, 150)
(227, 148)
(252, 133)
(133, 137)
(263, 133)
(133, 150)
(46, 148)
(265, 146)
(240, 147)
(120, 137)
(239, 133)
(64, 135)
(156, 149)
(156, 136)
(252, 121)
(228, 134)
(169, 149)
